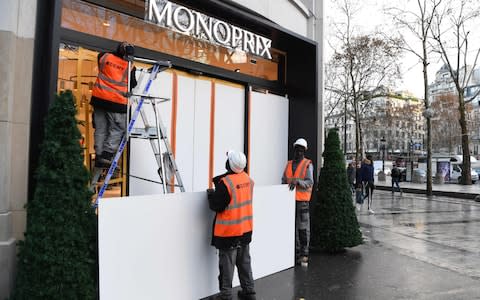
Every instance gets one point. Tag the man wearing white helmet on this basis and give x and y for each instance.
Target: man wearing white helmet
(233, 225)
(299, 175)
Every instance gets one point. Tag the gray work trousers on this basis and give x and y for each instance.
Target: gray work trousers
(302, 228)
(227, 260)
(109, 130)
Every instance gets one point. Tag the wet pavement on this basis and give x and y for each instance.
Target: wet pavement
(415, 248)
(453, 190)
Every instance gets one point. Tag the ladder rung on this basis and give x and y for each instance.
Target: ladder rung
(144, 133)
(160, 99)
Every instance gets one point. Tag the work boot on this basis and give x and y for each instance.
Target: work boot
(102, 163)
(103, 160)
(304, 261)
(217, 297)
(246, 296)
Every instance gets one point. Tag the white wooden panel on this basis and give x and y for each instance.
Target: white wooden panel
(229, 123)
(160, 87)
(158, 246)
(268, 139)
(185, 130)
(201, 143)
(142, 159)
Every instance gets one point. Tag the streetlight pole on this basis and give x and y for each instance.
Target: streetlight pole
(382, 142)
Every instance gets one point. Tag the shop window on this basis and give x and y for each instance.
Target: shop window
(77, 71)
(98, 21)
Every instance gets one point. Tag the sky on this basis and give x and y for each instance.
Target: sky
(370, 17)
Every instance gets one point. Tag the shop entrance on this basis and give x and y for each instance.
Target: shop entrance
(77, 71)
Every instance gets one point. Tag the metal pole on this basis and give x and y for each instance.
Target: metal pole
(383, 159)
(345, 129)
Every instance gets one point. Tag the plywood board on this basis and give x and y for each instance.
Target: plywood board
(158, 246)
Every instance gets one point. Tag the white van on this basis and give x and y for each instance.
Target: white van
(455, 172)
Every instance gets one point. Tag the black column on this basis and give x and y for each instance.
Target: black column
(44, 79)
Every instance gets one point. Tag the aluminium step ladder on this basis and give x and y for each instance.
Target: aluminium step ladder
(156, 133)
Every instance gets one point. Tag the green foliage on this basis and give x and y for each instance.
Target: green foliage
(57, 259)
(334, 223)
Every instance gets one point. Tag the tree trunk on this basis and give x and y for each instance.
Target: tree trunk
(429, 157)
(466, 174)
(429, 122)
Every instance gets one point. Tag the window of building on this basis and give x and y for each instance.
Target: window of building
(99, 21)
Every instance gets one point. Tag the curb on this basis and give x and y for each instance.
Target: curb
(460, 195)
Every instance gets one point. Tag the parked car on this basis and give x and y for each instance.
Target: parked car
(387, 171)
(456, 174)
(419, 175)
(477, 169)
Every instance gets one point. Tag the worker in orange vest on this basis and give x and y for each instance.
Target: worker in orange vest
(299, 175)
(109, 101)
(233, 225)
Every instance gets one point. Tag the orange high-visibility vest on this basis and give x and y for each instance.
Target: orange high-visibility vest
(237, 218)
(301, 194)
(112, 80)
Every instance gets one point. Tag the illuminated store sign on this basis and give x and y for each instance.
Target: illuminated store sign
(188, 21)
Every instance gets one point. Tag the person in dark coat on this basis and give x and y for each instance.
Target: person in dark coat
(358, 187)
(368, 181)
(351, 175)
(396, 174)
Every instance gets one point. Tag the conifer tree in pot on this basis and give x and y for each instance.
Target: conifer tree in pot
(57, 259)
(334, 223)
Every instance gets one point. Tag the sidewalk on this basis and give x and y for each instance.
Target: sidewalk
(453, 190)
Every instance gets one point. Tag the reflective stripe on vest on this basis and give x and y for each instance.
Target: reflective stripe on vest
(112, 79)
(301, 194)
(237, 218)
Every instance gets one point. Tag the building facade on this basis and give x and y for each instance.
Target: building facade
(391, 125)
(446, 132)
(50, 46)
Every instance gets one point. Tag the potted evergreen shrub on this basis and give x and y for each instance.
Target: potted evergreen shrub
(334, 223)
(57, 259)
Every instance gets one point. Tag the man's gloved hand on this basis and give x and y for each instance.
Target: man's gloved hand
(210, 193)
(292, 184)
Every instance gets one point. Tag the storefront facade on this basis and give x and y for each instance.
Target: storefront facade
(238, 81)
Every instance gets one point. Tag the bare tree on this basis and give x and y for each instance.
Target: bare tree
(370, 62)
(452, 35)
(445, 133)
(418, 22)
(445, 123)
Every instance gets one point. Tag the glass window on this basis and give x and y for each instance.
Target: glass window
(99, 21)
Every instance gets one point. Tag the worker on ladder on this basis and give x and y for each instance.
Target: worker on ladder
(109, 101)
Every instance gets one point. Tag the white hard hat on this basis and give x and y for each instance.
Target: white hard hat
(301, 142)
(236, 160)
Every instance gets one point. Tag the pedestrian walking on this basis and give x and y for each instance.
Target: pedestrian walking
(109, 101)
(299, 175)
(359, 194)
(396, 174)
(351, 175)
(233, 226)
(368, 181)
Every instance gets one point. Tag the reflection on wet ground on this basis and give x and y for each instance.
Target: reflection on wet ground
(415, 248)
(440, 231)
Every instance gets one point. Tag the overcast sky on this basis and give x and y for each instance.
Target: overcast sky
(371, 17)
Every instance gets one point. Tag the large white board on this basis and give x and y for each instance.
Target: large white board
(268, 137)
(229, 123)
(158, 246)
(191, 128)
